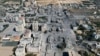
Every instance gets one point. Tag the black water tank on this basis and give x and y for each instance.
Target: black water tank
(65, 54)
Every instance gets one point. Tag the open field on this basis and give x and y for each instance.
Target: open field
(3, 1)
(43, 2)
(6, 51)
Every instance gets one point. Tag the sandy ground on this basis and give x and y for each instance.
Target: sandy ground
(57, 1)
(6, 51)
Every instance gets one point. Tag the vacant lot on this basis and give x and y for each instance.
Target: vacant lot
(57, 1)
(6, 51)
(3, 1)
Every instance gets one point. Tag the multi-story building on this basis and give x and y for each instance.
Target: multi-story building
(12, 17)
(27, 34)
(19, 27)
(20, 51)
(35, 26)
